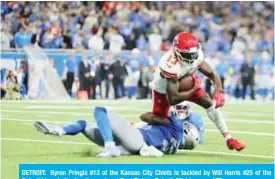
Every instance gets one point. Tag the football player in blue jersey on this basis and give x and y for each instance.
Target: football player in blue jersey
(183, 129)
(183, 111)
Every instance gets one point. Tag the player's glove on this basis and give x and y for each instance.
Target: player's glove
(219, 98)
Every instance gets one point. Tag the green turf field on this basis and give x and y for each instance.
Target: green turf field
(250, 122)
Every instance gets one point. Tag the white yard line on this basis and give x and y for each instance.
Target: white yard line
(87, 143)
(27, 123)
(237, 120)
(44, 115)
(234, 120)
(207, 121)
(228, 154)
(138, 109)
(245, 132)
(229, 101)
(48, 112)
(269, 114)
(33, 120)
(47, 141)
(4, 115)
(30, 121)
(85, 107)
(75, 101)
(57, 122)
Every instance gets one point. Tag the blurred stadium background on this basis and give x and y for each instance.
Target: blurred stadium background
(232, 35)
(121, 43)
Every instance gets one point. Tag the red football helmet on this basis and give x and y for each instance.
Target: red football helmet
(186, 47)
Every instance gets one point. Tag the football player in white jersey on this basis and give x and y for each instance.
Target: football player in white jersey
(184, 59)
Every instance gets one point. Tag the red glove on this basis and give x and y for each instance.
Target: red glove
(196, 81)
(219, 98)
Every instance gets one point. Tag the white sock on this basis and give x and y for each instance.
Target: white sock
(216, 116)
(61, 131)
(109, 144)
(57, 129)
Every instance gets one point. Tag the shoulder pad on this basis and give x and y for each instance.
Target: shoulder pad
(169, 66)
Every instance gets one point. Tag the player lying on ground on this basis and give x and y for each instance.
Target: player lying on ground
(164, 136)
(181, 111)
(184, 60)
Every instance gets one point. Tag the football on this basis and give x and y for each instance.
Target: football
(186, 83)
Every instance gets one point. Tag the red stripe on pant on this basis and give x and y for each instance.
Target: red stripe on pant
(160, 104)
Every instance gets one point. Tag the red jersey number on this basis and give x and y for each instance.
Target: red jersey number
(172, 61)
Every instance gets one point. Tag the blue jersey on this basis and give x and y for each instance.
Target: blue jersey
(165, 138)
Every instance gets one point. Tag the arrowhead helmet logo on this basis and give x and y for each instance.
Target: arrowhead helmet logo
(176, 40)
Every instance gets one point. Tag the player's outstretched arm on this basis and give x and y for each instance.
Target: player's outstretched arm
(150, 118)
(173, 95)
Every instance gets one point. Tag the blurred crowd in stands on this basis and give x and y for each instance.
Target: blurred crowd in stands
(238, 29)
(220, 26)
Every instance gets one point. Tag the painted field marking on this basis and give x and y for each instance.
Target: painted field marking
(207, 130)
(245, 132)
(206, 122)
(104, 101)
(269, 114)
(87, 143)
(237, 120)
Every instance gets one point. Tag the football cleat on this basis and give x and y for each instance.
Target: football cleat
(110, 151)
(150, 151)
(48, 129)
(235, 144)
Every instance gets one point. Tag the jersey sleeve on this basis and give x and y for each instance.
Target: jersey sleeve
(169, 67)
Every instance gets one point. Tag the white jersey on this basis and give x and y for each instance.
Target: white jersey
(170, 67)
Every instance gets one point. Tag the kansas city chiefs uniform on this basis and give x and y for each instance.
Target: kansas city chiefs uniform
(184, 59)
(170, 67)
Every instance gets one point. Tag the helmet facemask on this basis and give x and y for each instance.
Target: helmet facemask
(182, 111)
(187, 57)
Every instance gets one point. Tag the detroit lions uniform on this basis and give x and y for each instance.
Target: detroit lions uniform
(164, 138)
(170, 67)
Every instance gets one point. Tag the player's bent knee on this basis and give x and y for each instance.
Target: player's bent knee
(82, 123)
(99, 109)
